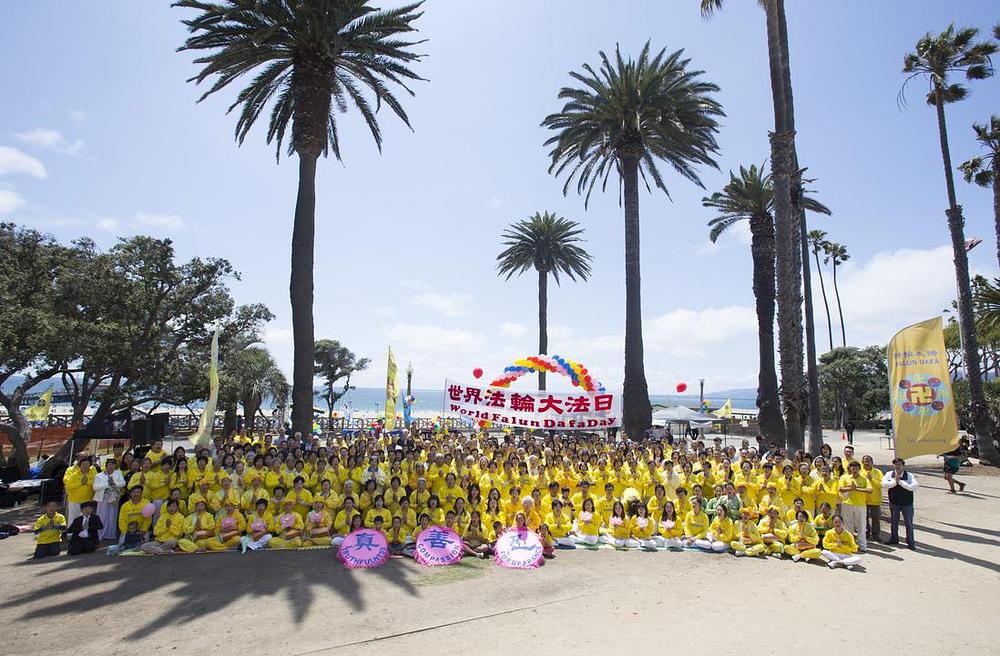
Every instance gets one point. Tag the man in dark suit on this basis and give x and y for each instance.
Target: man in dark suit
(83, 530)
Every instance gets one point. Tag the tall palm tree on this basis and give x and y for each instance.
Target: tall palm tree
(623, 118)
(549, 244)
(938, 57)
(984, 169)
(790, 235)
(750, 197)
(314, 59)
(836, 254)
(816, 239)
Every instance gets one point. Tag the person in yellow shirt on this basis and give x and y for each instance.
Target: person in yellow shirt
(301, 496)
(288, 528)
(328, 496)
(407, 517)
(434, 510)
(474, 536)
(343, 521)
(854, 488)
(583, 492)
(203, 472)
(179, 479)
(378, 510)
(397, 535)
(395, 494)
(199, 528)
(773, 531)
(229, 526)
(696, 524)
(839, 546)
(168, 530)
(156, 452)
(560, 524)
(616, 531)
(253, 494)
(132, 511)
(588, 523)
(789, 487)
(802, 539)
(48, 531)
(641, 528)
(683, 503)
(873, 500)
(260, 526)
(721, 532)
(670, 528)
(748, 541)
(225, 495)
(201, 494)
(606, 503)
(530, 514)
(827, 488)
(318, 523)
(420, 497)
(79, 484)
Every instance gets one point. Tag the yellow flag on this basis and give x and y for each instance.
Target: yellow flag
(40, 411)
(203, 435)
(726, 411)
(923, 405)
(390, 393)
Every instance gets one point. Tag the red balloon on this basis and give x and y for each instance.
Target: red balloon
(478, 372)
(681, 387)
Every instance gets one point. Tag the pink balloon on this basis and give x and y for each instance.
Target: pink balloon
(148, 510)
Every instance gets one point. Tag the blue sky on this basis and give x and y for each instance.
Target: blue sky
(102, 136)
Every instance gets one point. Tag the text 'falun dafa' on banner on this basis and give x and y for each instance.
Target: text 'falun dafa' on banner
(533, 409)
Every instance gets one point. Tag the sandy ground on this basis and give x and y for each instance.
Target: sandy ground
(941, 599)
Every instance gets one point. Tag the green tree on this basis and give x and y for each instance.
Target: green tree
(790, 236)
(750, 197)
(248, 375)
(40, 328)
(855, 383)
(836, 254)
(938, 58)
(548, 244)
(984, 169)
(816, 239)
(334, 362)
(314, 59)
(622, 119)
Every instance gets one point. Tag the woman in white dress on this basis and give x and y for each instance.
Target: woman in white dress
(109, 486)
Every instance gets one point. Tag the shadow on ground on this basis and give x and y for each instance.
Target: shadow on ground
(198, 584)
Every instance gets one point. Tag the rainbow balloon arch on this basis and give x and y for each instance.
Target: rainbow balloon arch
(575, 371)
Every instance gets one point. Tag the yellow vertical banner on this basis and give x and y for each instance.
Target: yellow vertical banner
(923, 406)
(391, 393)
(203, 436)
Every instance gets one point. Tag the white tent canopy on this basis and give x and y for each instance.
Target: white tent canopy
(678, 414)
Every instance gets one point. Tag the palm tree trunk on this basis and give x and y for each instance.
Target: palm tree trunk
(840, 309)
(815, 440)
(966, 318)
(301, 293)
(787, 234)
(637, 413)
(543, 319)
(772, 424)
(826, 305)
(996, 201)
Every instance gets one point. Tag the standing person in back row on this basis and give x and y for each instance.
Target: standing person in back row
(854, 488)
(901, 485)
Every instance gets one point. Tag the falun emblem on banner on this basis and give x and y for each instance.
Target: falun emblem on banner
(921, 395)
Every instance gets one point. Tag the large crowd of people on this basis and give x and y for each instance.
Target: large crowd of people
(275, 492)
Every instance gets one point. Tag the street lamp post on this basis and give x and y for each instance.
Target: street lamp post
(409, 379)
(701, 396)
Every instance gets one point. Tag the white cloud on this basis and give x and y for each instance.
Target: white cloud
(685, 332)
(427, 338)
(108, 223)
(10, 201)
(51, 139)
(78, 116)
(891, 290)
(512, 330)
(450, 304)
(164, 221)
(13, 160)
(560, 332)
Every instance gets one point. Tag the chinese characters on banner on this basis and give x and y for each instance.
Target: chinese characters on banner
(525, 409)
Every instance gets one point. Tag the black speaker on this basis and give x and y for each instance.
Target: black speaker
(140, 432)
(161, 425)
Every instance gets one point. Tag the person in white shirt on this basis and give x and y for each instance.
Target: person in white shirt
(901, 485)
(109, 486)
(83, 530)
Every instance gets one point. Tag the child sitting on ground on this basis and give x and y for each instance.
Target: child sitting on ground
(48, 531)
(130, 540)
